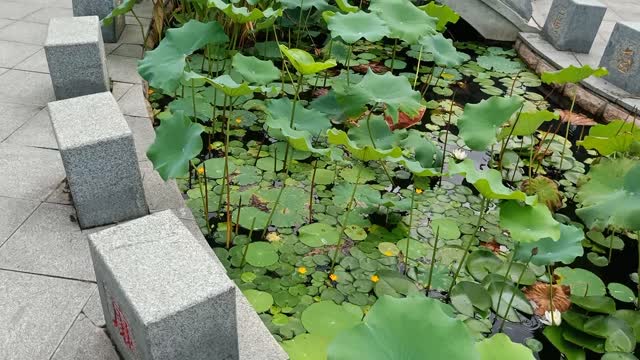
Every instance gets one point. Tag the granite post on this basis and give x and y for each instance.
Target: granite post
(99, 157)
(76, 58)
(622, 57)
(101, 8)
(162, 296)
(572, 25)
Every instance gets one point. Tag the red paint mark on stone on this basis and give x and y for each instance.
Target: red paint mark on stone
(120, 322)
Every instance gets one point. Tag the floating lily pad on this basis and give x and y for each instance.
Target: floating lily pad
(261, 254)
(318, 235)
(327, 319)
(260, 300)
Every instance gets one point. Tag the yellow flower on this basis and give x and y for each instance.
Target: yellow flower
(211, 147)
(273, 236)
(302, 270)
(418, 191)
(375, 278)
(238, 120)
(333, 277)
(388, 253)
(200, 170)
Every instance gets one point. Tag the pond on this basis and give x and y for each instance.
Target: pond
(361, 176)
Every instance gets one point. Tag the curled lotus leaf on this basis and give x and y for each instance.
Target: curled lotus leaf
(307, 124)
(254, 70)
(304, 62)
(566, 249)
(526, 123)
(572, 74)
(405, 21)
(616, 136)
(241, 14)
(354, 26)
(345, 7)
(124, 7)
(443, 13)
(528, 223)
(358, 143)
(443, 51)
(480, 122)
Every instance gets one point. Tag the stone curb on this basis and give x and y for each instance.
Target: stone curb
(600, 98)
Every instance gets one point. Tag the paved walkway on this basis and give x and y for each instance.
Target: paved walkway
(49, 304)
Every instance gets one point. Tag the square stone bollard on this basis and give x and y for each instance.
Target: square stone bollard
(99, 157)
(622, 57)
(76, 58)
(101, 8)
(162, 295)
(572, 25)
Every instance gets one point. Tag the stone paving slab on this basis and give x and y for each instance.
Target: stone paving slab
(36, 132)
(133, 103)
(36, 313)
(25, 87)
(14, 213)
(36, 62)
(13, 116)
(93, 309)
(43, 15)
(123, 68)
(28, 172)
(49, 243)
(143, 134)
(85, 341)
(25, 32)
(16, 10)
(13, 53)
(61, 195)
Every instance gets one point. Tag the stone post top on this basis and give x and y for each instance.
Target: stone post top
(73, 31)
(590, 3)
(159, 265)
(634, 25)
(86, 120)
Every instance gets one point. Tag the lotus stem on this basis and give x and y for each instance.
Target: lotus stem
(433, 258)
(548, 145)
(611, 246)
(293, 113)
(566, 132)
(513, 83)
(227, 183)
(299, 24)
(526, 267)
(324, 84)
(406, 253)
(424, 92)
(255, 162)
(638, 297)
(446, 138)
(238, 216)
(505, 142)
(506, 277)
(551, 307)
(531, 156)
(273, 211)
(144, 37)
(393, 55)
(415, 80)
(246, 249)
(203, 193)
(224, 117)
(313, 182)
(206, 198)
(485, 204)
(346, 218)
(347, 65)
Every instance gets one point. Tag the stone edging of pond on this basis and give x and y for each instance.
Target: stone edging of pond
(603, 100)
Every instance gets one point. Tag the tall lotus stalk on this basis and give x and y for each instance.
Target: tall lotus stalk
(513, 295)
(433, 258)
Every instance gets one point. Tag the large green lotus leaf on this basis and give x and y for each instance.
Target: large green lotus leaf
(305, 4)
(488, 182)
(364, 152)
(481, 263)
(618, 356)
(620, 336)
(327, 319)
(582, 282)
(508, 291)
(230, 87)
(177, 142)
(344, 6)
(307, 347)
(163, 67)
(395, 92)
(468, 296)
(572, 74)
(304, 62)
(254, 70)
(123, 8)
(270, 17)
(616, 136)
(599, 304)
(528, 223)
(427, 157)
(571, 351)
(261, 254)
(443, 13)
(260, 300)
(566, 249)
(395, 329)
(240, 15)
(443, 51)
(318, 235)
(311, 120)
(405, 21)
(480, 122)
(527, 123)
(611, 197)
(632, 318)
(352, 27)
(500, 347)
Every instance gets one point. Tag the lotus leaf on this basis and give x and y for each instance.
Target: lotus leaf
(632, 318)
(405, 21)
(164, 66)
(241, 15)
(260, 300)
(467, 296)
(500, 347)
(488, 182)
(619, 335)
(304, 62)
(616, 136)
(261, 254)
(344, 6)
(447, 229)
(499, 64)
(307, 346)
(566, 249)
(394, 328)
(582, 282)
(571, 351)
(318, 235)
(611, 197)
(527, 123)
(254, 70)
(444, 53)
(443, 13)
(305, 4)
(481, 263)
(354, 26)
(508, 291)
(599, 304)
(480, 122)
(327, 319)
(124, 7)
(177, 142)
(528, 223)
(621, 292)
(572, 75)
(618, 356)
